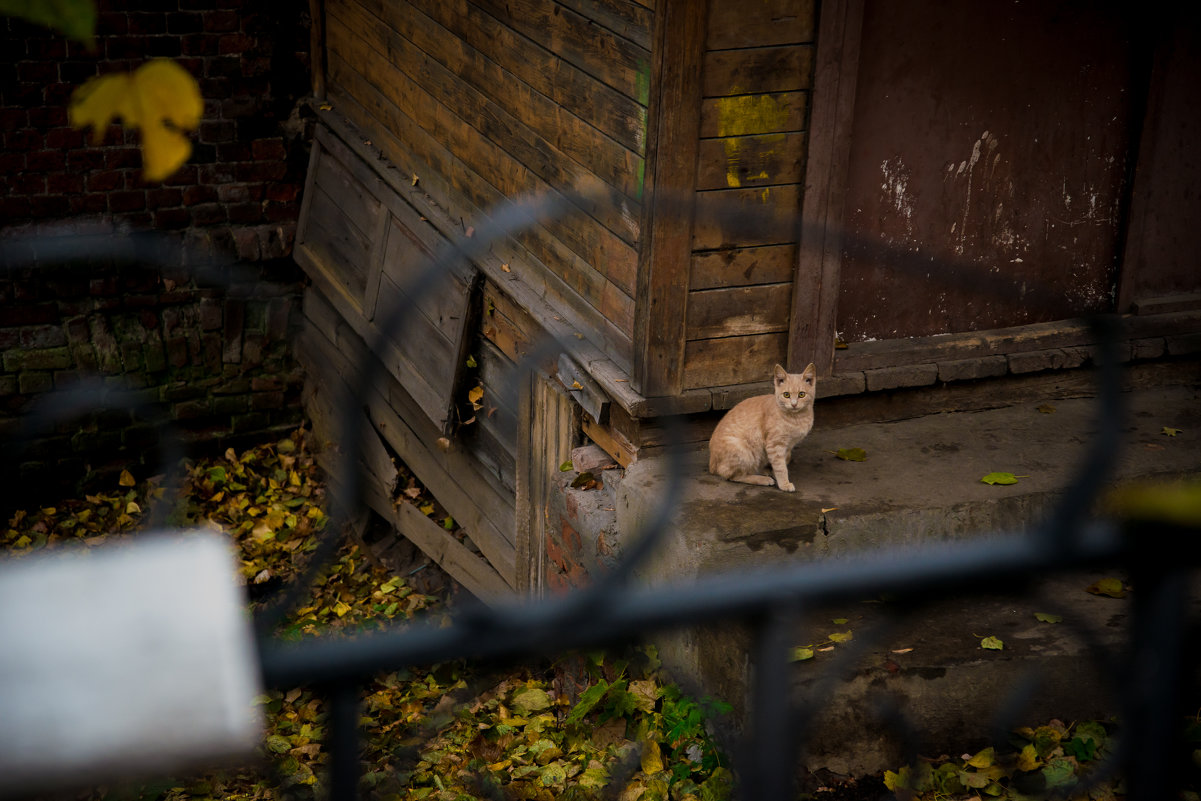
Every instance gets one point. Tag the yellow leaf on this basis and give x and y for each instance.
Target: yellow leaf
(132, 508)
(983, 759)
(652, 759)
(476, 394)
(1028, 759)
(160, 98)
(341, 608)
(126, 479)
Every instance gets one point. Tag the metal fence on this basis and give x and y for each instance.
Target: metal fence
(1152, 672)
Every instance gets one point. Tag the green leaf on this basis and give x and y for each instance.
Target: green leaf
(471, 361)
(278, 745)
(566, 467)
(841, 636)
(1084, 749)
(992, 644)
(529, 699)
(1170, 432)
(448, 523)
(800, 654)
(1060, 772)
(1046, 408)
(1000, 478)
(851, 454)
(588, 701)
(839, 621)
(1045, 617)
(75, 19)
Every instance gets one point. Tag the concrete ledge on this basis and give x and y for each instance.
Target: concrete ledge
(919, 485)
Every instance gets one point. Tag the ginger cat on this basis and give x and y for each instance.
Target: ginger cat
(763, 430)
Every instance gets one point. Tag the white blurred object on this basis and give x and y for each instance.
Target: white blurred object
(122, 660)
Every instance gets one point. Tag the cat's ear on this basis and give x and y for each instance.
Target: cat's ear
(810, 373)
(781, 374)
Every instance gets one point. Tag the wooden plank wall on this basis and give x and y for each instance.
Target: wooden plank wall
(485, 101)
(756, 81)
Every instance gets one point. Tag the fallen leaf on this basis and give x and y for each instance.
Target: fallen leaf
(1046, 408)
(841, 636)
(565, 467)
(1111, 587)
(505, 268)
(992, 643)
(983, 759)
(475, 394)
(1044, 617)
(800, 654)
(126, 479)
(416, 180)
(1000, 478)
(471, 361)
(1171, 432)
(830, 509)
(851, 454)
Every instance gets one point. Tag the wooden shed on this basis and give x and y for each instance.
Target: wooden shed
(1046, 147)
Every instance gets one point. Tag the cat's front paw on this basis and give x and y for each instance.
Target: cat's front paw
(787, 486)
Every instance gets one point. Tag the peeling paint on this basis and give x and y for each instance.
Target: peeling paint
(743, 114)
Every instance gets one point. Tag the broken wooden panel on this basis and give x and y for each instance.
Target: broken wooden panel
(480, 503)
(381, 272)
(1012, 171)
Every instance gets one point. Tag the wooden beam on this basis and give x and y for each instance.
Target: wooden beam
(815, 293)
(543, 445)
(674, 120)
(317, 48)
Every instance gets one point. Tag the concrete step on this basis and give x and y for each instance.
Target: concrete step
(920, 484)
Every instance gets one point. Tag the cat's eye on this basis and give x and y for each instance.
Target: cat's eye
(787, 395)
(800, 395)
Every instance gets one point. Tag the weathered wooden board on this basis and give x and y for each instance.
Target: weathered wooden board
(767, 69)
(485, 135)
(738, 311)
(547, 261)
(731, 218)
(747, 161)
(373, 248)
(466, 566)
(547, 444)
(764, 23)
(745, 115)
(572, 89)
(714, 269)
(615, 61)
(732, 360)
(485, 511)
(627, 19)
(566, 140)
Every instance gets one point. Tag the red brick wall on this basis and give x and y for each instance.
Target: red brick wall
(215, 357)
(247, 166)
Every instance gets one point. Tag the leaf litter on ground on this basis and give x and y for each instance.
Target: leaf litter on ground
(449, 731)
